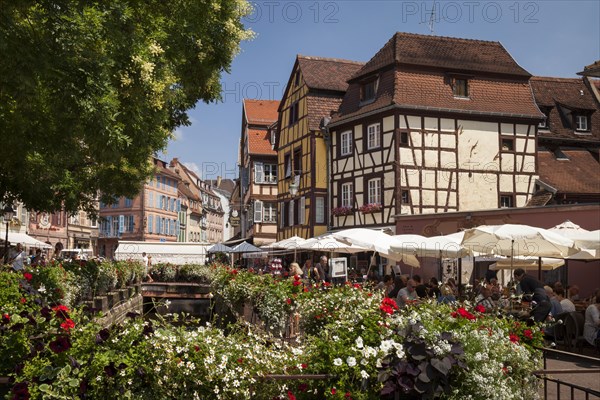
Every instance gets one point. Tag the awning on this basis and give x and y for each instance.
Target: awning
(25, 240)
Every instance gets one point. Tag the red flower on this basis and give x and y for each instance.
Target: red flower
(291, 395)
(5, 318)
(465, 314)
(304, 366)
(61, 311)
(68, 324)
(297, 278)
(297, 283)
(348, 395)
(197, 348)
(288, 300)
(528, 334)
(23, 300)
(388, 305)
(326, 284)
(356, 286)
(240, 360)
(480, 308)
(333, 391)
(514, 338)
(27, 276)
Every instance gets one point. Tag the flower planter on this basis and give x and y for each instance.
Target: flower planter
(131, 291)
(113, 299)
(123, 294)
(101, 303)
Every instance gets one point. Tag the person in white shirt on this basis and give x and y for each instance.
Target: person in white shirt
(17, 258)
(591, 328)
(407, 294)
(567, 305)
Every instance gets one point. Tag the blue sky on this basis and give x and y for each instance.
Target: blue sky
(547, 38)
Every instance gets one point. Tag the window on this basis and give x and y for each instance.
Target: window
(258, 211)
(374, 191)
(294, 112)
(404, 139)
(273, 137)
(130, 223)
(320, 210)
(508, 144)
(506, 201)
(128, 202)
(297, 162)
(288, 165)
(368, 90)
(346, 143)
(347, 195)
(405, 197)
(270, 173)
(302, 210)
(297, 78)
(291, 213)
(373, 136)
(150, 223)
(544, 123)
(270, 212)
(460, 88)
(581, 123)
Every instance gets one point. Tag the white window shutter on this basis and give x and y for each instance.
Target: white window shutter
(301, 210)
(258, 211)
(121, 223)
(259, 172)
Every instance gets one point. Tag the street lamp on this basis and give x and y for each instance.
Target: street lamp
(295, 183)
(8, 214)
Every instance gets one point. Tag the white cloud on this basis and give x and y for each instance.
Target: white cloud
(193, 167)
(178, 134)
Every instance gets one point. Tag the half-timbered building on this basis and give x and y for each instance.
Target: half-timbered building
(258, 171)
(430, 125)
(315, 89)
(568, 141)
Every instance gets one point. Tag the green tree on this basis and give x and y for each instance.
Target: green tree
(91, 90)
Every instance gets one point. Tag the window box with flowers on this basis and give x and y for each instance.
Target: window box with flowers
(341, 211)
(370, 208)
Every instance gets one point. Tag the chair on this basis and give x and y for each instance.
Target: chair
(574, 331)
(560, 329)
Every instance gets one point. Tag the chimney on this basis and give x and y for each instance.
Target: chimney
(218, 182)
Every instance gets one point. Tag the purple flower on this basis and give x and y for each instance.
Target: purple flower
(61, 344)
(110, 369)
(20, 391)
(102, 336)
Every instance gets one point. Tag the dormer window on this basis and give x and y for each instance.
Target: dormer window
(460, 88)
(545, 124)
(582, 123)
(368, 90)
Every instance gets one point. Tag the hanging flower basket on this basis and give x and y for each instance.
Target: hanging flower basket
(341, 211)
(370, 208)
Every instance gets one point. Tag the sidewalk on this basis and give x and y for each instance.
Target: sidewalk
(584, 379)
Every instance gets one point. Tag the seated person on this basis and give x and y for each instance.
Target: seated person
(420, 288)
(591, 328)
(485, 299)
(407, 294)
(566, 304)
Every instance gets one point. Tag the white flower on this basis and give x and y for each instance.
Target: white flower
(167, 303)
(337, 362)
(364, 374)
(42, 289)
(359, 342)
(351, 361)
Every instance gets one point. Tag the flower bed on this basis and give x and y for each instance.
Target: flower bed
(368, 346)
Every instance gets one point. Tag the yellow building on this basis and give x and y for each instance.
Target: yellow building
(315, 89)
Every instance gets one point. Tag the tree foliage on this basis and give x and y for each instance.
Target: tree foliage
(91, 90)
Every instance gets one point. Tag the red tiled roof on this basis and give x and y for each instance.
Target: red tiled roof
(261, 112)
(452, 54)
(186, 191)
(327, 73)
(578, 174)
(591, 70)
(414, 89)
(320, 106)
(560, 97)
(539, 198)
(259, 142)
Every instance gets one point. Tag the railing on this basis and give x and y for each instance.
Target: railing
(555, 388)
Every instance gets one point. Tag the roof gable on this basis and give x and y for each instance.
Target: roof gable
(261, 112)
(327, 73)
(453, 54)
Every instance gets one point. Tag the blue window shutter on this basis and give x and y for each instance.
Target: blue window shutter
(109, 230)
(150, 223)
(121, 223)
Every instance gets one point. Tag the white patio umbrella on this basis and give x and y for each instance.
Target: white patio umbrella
(421, 246)
(287, 244)
(329, 243)
(527, 263)
(374, 240)
(518, 240)
(587, 241)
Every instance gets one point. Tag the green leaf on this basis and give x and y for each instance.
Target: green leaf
(73, 382)
(44, 387)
